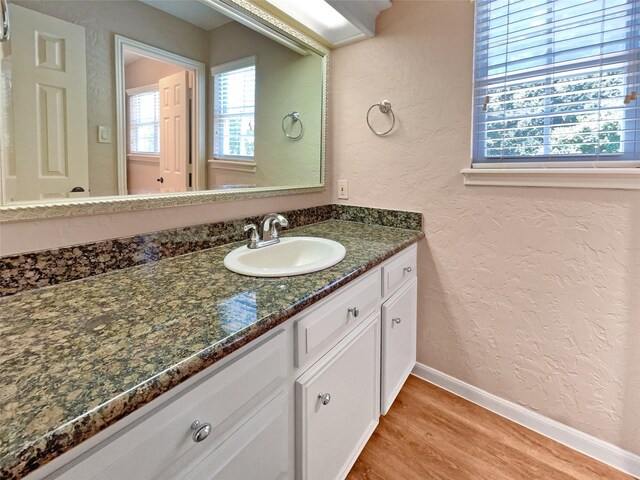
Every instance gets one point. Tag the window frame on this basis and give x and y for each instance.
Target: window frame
(215, 70)
(543, 171)
(131, 92)
(481, 83)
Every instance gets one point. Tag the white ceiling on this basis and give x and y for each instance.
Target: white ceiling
(192, 11)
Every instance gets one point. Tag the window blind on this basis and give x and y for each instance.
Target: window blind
(557, 81)
(234, 113)
(144, 122)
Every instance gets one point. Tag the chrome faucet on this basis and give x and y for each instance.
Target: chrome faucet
(268, 225)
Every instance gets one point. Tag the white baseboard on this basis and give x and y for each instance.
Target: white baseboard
(589, 445)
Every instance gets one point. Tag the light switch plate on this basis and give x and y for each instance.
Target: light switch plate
(104, 134)
(343, 190)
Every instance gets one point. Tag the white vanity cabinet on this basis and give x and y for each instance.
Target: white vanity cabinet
(299, 402)
(168, 443)
(399, 319)
(337, 404)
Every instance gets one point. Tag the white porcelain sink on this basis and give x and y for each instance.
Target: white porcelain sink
(292, 256)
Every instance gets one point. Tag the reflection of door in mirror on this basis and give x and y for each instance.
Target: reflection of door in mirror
(174, 132)
(158, 125)
(48, 67)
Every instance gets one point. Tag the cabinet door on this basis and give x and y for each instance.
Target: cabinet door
(398, 342)
(331, 431)
(259, 450)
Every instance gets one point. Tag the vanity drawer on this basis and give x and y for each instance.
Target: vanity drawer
(320, 328)
(398, 271)
(163, 438)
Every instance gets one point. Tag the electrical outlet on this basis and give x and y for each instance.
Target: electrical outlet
(343, 190)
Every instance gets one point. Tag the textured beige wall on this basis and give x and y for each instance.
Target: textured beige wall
(532, 294)
(103, 19)
(285, 82)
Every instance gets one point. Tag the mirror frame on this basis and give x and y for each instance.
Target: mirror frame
(254, 17)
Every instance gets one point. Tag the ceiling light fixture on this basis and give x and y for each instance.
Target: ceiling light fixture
(337, 21)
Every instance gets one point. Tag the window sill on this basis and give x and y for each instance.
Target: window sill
(612, 178)
(143, 158)
(234, 165)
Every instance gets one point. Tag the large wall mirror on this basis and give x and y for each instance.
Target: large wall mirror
(144, 103)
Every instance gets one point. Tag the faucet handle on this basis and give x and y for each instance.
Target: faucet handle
(270, 221)
(279, 220)
(255, 236)
(284, 223)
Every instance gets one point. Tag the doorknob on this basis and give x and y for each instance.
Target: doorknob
(161, 180)
(77, 189)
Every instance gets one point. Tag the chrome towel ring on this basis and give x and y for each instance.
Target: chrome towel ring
(295, 118)
(385, 107)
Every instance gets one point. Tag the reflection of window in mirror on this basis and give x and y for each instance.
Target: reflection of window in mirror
(234, 109)
(144, 120)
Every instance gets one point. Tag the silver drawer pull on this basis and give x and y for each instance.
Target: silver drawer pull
(200, 430)
(407, 269)
(396, 320)
(324, 398)
(355, 311)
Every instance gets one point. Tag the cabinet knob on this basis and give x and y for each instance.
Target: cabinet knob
(407, 269)
(200, 430)
(324, 398)
(355, 311)
(396, 320)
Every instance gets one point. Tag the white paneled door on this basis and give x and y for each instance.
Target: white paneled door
(174, 132)
(48, 62)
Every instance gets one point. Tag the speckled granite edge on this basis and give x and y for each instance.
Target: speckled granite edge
(23, 272)
(72, 434)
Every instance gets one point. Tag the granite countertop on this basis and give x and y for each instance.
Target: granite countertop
(79, 356)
